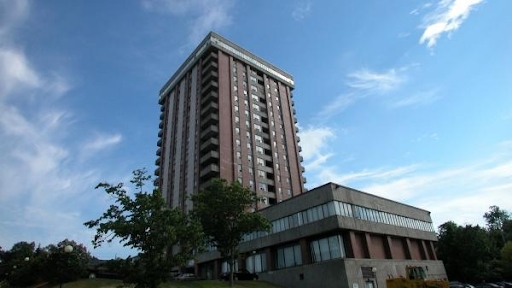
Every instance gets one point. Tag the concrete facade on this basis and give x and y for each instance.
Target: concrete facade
(366, 239)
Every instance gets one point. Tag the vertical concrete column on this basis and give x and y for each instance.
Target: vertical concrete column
(216, 269)
(432, 250)
(271, 263)
(352, 242)
(407, 247)
(305, 251)
(424, 251)
(388, 247)
(368, 245)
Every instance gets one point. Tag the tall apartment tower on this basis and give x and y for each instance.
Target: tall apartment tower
(227, 113)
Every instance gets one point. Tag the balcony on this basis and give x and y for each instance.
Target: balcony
(211, 86)
(210, 144)
(298, 139)
(159, 143)
(302, 169)
(160, 133)
(157, 161)
(210, 57)
(210, 107)
(162, 116)
(210, 157)
(300, 148)
(210, 132)
(157, 172)
(159, 152)
(210, 65)
(212, 96)
(209, 170)
(210, 76)
(210, 119)
(161, 125)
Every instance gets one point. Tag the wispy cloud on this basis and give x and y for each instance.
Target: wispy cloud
(302, 10)
(207, 15)
(42, 189)
(445, 191)
(417, 99)
(15, 72)
(101, 142)
(368, 80)
(446, 18)
(11, 14)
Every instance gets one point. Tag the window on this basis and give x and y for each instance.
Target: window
(259, 150)
(288, 257)
(261, 174)
(257, 117)
(256, 263)
(260, 161)
(237, 119)
(257, 127)
(327, 248)
(258, 138)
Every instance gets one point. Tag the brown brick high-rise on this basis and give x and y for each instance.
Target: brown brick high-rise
(227, 113)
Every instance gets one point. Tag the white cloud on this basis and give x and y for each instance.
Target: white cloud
(103, 141)
(208, 15)
(315, 146)
(446, 18)
(15, 72)
(302, 10)
(368, 80)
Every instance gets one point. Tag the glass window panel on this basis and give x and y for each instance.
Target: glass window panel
(324, 249)
(298, 255)
(310, 215)
(334, 246)
(249, 263)
(315, 251)
(289, 258)
(280, 258)
(349, 209)
(330, 209)
(263, 262)
(337, 208)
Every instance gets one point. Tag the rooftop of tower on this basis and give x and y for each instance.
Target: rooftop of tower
(215, 40)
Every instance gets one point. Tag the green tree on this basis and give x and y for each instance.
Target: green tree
(506, 260)
(223, 211)
(465, 251)
(62, 266)
(145, 223)
(496, 218)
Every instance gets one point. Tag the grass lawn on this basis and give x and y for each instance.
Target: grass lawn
(110, 283)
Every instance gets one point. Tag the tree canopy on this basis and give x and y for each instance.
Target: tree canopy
(144, 222)
(26, 265)
(224, 211)
(473, 253)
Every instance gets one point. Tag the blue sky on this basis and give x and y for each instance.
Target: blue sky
(409, 100)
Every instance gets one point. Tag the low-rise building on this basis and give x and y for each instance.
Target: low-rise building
(335, 236)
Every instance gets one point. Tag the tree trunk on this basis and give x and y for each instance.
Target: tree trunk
(232, 274)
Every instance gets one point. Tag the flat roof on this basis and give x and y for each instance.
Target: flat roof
(221, 43)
